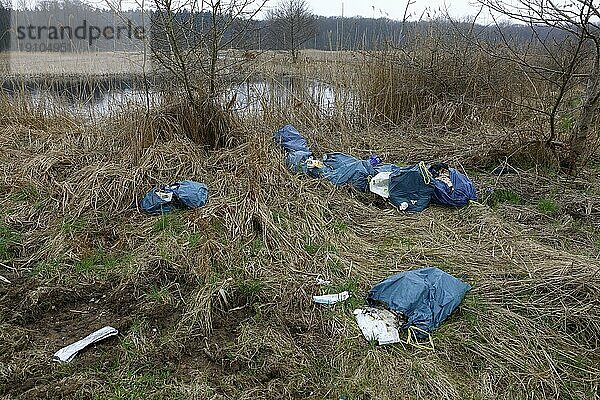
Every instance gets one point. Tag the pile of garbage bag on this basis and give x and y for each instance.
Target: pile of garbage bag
(426, 296)
(415, 301)
(178, 195)
(409, 188)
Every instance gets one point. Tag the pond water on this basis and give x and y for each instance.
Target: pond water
(101, 99)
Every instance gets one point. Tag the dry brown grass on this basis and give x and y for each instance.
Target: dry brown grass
(216, 303)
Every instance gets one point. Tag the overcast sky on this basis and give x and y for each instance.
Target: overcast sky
(393, 9)
(390, 8)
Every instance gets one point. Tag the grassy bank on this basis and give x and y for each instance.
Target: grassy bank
(216, 303)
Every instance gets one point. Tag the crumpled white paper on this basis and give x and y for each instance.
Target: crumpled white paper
(66, 354)
(378, 324)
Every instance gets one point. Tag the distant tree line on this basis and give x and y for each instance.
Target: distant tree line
(4, 26)
(318, 32)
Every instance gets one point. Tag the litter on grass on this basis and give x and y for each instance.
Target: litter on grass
(451, 188)
(378, 324)
(415, 301)
(322, 281)
(184, 194)
(343, 169)
(66, 354)
(409, 188)
(426, 297)
(331, 298)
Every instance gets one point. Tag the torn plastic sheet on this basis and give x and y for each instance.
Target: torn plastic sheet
(378, 324)
(380, 184)
(331, 298)
(66, 354)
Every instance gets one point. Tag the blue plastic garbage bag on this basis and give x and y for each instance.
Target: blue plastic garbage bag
(410, 188)
(342, 169)
(192, 194)
(460, 191)
(290, 139)
(386, 168)
(296, 160)
(425, 296)
(184, 194)
(375, 159)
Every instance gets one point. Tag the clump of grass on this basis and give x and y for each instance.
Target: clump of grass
(437, 82)
(98, 263)
(251, 288)
(499, 196)
(169, 222)
(205, 123)
(9, 240)
(547, 206)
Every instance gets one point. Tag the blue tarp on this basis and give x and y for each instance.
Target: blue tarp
(184, 194)
(458, 195)
(425, 296)
(343, 169)
(290, 139)
(410, 188)
(296, 149)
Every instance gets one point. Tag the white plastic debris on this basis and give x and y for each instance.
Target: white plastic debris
(312, 163)
(66, 354)
(331, 298)
(378, 324)
(323, 281)
(380, 184)
(165, 196)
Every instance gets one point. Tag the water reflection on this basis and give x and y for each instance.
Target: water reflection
(104, 98)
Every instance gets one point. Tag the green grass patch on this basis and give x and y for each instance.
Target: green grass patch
(98, 263)
(547, 206)
(339, 226)
(30, 194)
(350, 285)
(9, 240)
(160, 295)
(169, 223)
(395, 242)
(504, 196)
(194, 240)
(313, 248)
(73, 225)
(47, 269)
(251, 287)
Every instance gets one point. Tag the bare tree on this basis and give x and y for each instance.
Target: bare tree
(291, 25)
(189, 39)
(563, 57)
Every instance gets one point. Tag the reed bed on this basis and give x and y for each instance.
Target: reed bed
(216, 303)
